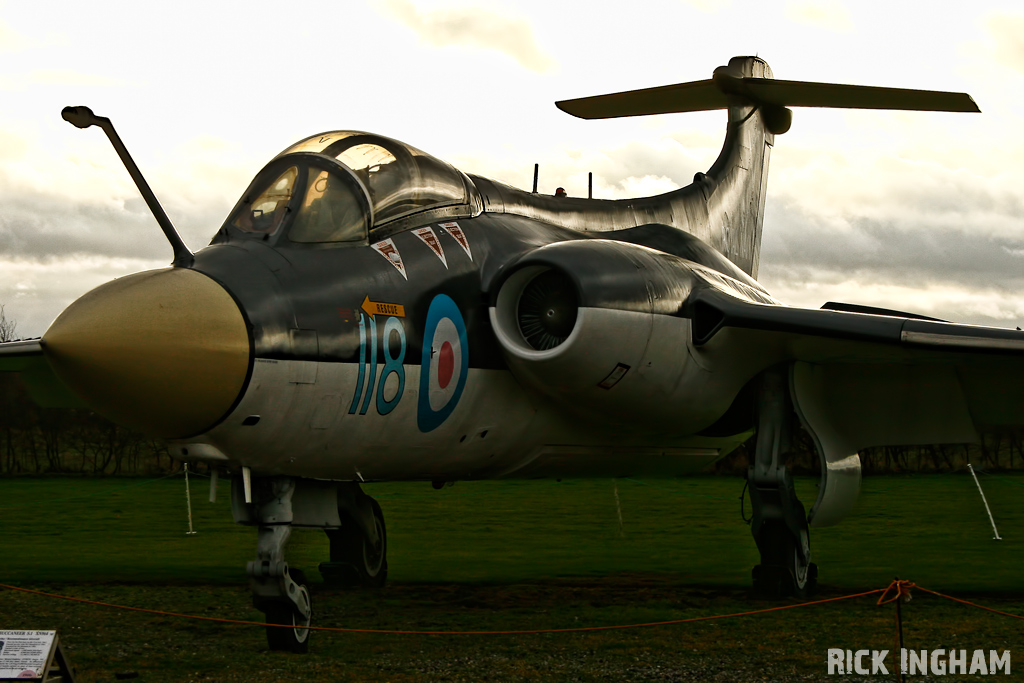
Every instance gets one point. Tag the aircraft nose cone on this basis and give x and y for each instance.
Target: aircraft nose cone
(165, 351)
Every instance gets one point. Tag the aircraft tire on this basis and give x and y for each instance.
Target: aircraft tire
(295, 639)
(781, 573)
(354, 560)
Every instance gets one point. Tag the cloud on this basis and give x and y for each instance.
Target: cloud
(709, 6)
(476, 28)
(81, 201)
(830, 15)
(56, 77)
(1008, 33)
(11, 40)
(37, 291)
(904, 262)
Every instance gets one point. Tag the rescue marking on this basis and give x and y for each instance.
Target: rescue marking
(458, 235)
(388, 250)
(430, 239)
(373, 308)
(444, 365)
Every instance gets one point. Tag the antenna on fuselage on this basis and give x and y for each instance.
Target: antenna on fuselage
(536, 176)
(82, 117)
(590, 185)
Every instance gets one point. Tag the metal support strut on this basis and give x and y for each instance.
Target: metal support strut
(779, 523)
(278, 591)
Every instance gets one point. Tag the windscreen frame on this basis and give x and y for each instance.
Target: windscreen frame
(303, 161)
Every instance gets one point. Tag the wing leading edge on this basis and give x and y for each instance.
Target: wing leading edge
(712, 310)
(26, 358)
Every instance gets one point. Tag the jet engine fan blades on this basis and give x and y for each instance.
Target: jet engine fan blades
(547, 310)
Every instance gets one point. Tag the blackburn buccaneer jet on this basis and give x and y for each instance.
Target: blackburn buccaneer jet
(368, 313)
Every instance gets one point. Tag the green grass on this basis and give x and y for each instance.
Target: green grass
(930, 528)
(510, 555)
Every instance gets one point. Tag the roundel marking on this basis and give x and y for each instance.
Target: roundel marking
(445, 363)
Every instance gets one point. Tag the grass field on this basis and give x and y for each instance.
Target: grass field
(510, 555)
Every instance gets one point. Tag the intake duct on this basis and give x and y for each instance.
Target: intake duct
(537, 309)
(597, 326)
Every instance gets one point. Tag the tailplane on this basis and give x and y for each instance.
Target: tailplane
(728, 211)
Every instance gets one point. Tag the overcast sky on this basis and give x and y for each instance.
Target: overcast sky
(914, 211)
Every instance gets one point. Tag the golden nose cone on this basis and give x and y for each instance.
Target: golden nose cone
(165, 351)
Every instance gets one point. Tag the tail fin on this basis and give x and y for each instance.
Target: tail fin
(734, 188)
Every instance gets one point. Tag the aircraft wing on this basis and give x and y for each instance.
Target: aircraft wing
(713, 309)
(26, 359)
(866, 379)
(883, 379)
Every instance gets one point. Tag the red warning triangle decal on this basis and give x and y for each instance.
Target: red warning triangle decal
(430, 239)
(388, 250)
(455, 231)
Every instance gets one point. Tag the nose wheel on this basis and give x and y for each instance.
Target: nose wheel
(292, 632)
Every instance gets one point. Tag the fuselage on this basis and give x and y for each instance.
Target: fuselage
(353, 378)
(366, 276)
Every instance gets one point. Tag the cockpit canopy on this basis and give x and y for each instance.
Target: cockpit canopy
(337, 186)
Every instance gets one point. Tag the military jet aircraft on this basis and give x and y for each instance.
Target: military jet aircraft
(368, 313)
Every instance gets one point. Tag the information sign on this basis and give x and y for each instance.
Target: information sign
(25, 654)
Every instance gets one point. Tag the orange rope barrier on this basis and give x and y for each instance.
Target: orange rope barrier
(972, 604)
(902, 589)
(449, 633)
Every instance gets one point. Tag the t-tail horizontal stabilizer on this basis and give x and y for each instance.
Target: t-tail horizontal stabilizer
(730, 87)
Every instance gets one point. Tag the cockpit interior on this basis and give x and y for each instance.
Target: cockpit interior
(341, 186)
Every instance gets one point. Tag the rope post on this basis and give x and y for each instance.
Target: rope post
(618, 508)
(900, 591)
(983, 500)
(188, 501)
(899, 631)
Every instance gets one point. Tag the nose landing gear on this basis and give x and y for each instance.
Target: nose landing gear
(278, 591)
(354, 524)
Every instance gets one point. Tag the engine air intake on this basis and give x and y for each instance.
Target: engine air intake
(547, 310)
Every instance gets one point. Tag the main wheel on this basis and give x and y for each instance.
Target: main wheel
(781, 572)
(293, 636)
(355, 560)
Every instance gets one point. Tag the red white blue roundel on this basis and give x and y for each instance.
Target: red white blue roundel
(445, 363)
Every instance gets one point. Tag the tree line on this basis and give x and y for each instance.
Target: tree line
(997, 451)
(36, 440)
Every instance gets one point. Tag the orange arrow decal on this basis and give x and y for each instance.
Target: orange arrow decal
(373, 308)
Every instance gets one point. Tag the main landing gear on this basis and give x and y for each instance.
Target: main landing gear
(359, 547)
(779, 522)
(354, 524)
